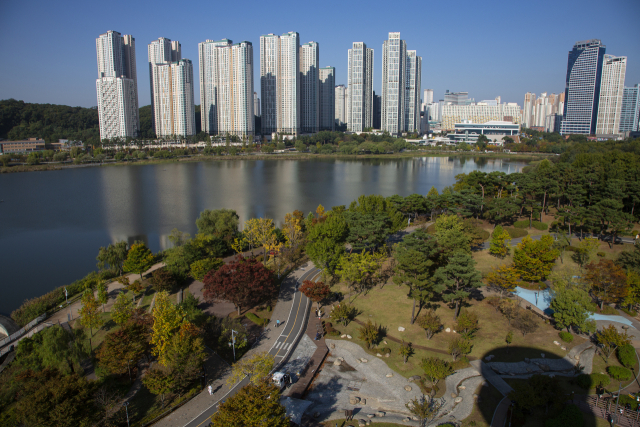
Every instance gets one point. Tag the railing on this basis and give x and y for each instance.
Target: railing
(29, 330)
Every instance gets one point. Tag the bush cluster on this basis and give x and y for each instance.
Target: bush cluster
(587, 381)
(600, 254)
(626, 355)
(330, 330)
(514, 233)
(566, 336)
(535, 224)
(257, 319)
(619, 373)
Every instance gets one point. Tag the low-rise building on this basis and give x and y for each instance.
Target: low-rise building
(24, 146)
(495, 131)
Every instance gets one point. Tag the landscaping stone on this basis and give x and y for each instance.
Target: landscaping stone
(389, 375)
(556, 343)
(400, 328)
(363, 401)
(332, 346)
(371, 415)
(407, 387)
(542, 355)
(385, 341)
(462, 387)
(368, 422)
(564, 348)
(363, 360)
(414, 378)
(354, 400)
(343, 336)
(362, 422)
(457, 399)
(349, 337)
(337, 362)
(380, 414)
(378, 354)
(448, 330)
(387, 355)
(453, 395)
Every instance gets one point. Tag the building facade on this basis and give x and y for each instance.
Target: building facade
(226, 88)
(394, 57)
(161, 51)
(611, 93)
(479, 113)
(116, 86)
(327, 103)
(412, 95)
(630, 111)
(427, 97)
(310, 87)
(582, 87)
(173, 99)
(340, 105)
(360, 88)
(377, 110)
(256, 104)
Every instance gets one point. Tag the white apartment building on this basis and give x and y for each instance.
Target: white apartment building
(226, 88)
(427, 96)
(116, 86)
(412, 95)
(479, 113)
(340, 105)
(394, 58)
(611, 94)
(161, 51)
(327, 102)
(256, 104)
(537, 112)
(359, 96)
(309, 87)
(173, 98)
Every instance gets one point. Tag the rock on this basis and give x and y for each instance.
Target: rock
(379, 414)
(564, 348)
(556, 343)
(362, 422)
(489, 357)
(407, 387)
(453, 395)
(512, 374)
(400, 328)
(337, 362)
(387, 355)
(448, 330)
(414, 378)
(349, 337)
(406, 420)
(358, 360)
(354, 400)
(529, 370)
(454, 332)
(462, 387)
(545, 368)
(341, 359)
(378, 354)
(363, 360)
(385, 341)
(457, 399)
(332, 346)
(389, 375)
(368, 422)
(363, 401)
(542, 355)
(414, 418)
(343, 336)
(577, 357)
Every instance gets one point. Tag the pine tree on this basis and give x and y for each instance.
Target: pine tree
(457, 279)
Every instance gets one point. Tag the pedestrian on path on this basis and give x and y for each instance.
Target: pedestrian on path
(277, 323)
(210, 390)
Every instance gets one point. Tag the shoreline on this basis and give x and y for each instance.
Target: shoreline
(295, 156)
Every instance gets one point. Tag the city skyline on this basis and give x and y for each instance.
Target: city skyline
(71, 83)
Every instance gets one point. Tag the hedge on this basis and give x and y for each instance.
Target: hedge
(535, 224)
(587, 381)
(631, 313)
(256, 319)
(626, 355)
(566, 336)
(514, 233)
(619, 373)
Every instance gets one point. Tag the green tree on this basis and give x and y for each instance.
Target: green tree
(167, 320)
(139, 259)
(534, 259)
(436, 369)
(459, 346)
(508, 339)
(610, 339)
(457, 279)
(500, 240)
(405, 350)
(256, 404)
(359, 270)
(367, 231)
(343, 313)
(257, 367)
(103, 295)
(184, 355)
(122, 309)
(430, 322)
(416, 258)
(89, 314)
(113, 256)
(52, 348)
(369, 333)
(200, 268)
(467, 324)
(221, 223)
(326, 242)
(424, 408)
(571, 308)
(451, 236)
(159, 381)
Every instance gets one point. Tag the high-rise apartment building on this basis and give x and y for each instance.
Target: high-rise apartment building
(360, 88)
(427, 96)
(116, 86)
(412, 95)
(161, 51)
(327, 104)
(542, 112)
(457, 98)
(377, 110)
(394, 57)
(256, 104)
(226, 88)
(280, 83)
(173, 99)
(309, 87)
(582, 88)
(340, 105)
(611, 92)
(630, 111)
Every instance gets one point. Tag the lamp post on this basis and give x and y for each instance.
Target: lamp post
(536, 294)
(126, 404)
(233, 344)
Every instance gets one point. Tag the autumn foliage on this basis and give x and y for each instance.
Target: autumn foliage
(315, 291)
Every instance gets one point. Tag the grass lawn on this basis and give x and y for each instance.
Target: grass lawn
(485, 262)
(108, 326)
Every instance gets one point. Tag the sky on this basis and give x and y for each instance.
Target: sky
(487, 48)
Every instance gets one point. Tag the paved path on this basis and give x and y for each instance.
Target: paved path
(293, 306)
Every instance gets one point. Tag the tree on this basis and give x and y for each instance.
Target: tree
(534, 259)
(585, 250)
(571, 308)
(369, 333)
(458, 278)
(459, 346)
(167, 319)
(326, 242)
(122, 309)
(415, 257)
(163, 280)
(436, 369)
(503, 280)
(467, 324)
(293, 228)
(607, 280)
(158, 381)
(200, 268)
(244, 282)
(123, 348)
(367, 231)
(424, 408)
(113, 256)
(255, 405)
(257, 367)
(185, 354)
(343, 313)
(405, 350)
(526, 322)
(613, 220)
(508, 339)
(500, 240)
(451, 236)
(633, 289)
(103, 295)
(630, 260)
(52, 348)
(89, 314)
(222, 223)
(359, 269)
(430, 322)
(509, 308)
(139, 259)
(315, 291)
(610, 339)
(257, 232)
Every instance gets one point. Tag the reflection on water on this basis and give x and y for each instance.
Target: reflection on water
(52, 223)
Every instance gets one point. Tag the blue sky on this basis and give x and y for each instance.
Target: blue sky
(487, 48)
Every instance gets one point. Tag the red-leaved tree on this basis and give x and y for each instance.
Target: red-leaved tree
(245, 282)
(315, 291)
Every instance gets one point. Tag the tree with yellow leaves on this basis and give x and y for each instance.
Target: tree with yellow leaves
(258, 231)
(503, 279)
(274, 246)
(167, 319)
(359, 269)
(257, 367)
(89, 313)
(292, 228)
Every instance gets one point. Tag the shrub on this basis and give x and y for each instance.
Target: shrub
(600, 379)
(631, 313)
(619, 373)
(608, 310)
(570, 416)
(587, 381)
(384, 350)
(535, 224)
(514, 233)
(369, 333)
(566, 336)
(572, 249)
(256, 319)
(625, 398)
(600, 254)
(626, 355)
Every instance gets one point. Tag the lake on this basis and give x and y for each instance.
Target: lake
(52, 223)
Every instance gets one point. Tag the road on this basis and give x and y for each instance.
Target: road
(292, 328)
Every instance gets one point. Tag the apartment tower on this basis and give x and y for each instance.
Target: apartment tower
(412, 95)
(360, 88)
(340, 107)
(629, 113)
(309, 87)
(327, 100)
(173, 98)
(160, 52)
(611, 94)
(394, 57)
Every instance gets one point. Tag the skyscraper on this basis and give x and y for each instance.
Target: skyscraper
(161, 51)
(394, 57)
(582, 89)
(428, 96)
(412, 96)
(173, 99)
(116, 86)
(226, 87)
(280, 83)
(341, 110)
(309, 87)
(528, 109)
(630, 109)
(256, 104)
(377, 110)
(327, 103)
(360, 88)
(611, 93)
